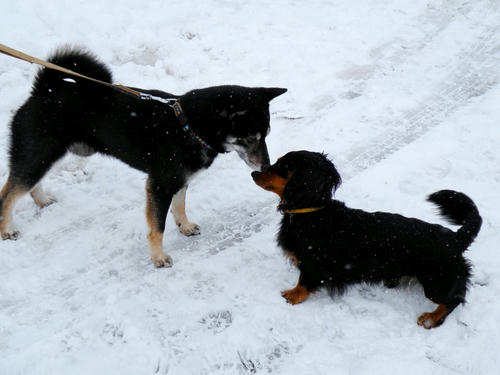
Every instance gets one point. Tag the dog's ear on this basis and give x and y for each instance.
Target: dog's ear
(269, 93)
(311, 187)
(332, 174)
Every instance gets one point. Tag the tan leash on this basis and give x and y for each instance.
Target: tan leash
(303, 210)
(33, 60)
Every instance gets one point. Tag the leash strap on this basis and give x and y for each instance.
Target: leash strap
(186, 127)
(303, 210)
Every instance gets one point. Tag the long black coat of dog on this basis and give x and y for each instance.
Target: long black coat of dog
(336, 246)
(68, 113)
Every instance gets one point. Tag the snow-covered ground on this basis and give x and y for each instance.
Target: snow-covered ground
(404, 95)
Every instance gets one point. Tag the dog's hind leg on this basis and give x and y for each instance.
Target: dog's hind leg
(179, 211)
(10, 193)
(448, 293)
(41, 197)
(30, 159)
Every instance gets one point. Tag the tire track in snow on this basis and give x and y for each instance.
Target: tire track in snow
(477, 72)
(398, 51)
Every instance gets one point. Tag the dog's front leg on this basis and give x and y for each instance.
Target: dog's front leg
(179, 211)
(158, 200)
(298, 294)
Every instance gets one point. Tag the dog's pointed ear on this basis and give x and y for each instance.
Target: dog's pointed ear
(269, 93)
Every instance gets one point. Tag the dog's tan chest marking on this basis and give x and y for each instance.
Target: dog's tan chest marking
(291, 256)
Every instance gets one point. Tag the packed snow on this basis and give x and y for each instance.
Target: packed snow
(403, 95)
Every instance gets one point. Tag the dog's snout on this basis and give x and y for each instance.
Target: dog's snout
(255, 174)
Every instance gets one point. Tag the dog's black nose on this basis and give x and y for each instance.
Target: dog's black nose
(255, 174)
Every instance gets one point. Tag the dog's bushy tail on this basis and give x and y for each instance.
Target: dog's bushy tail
(459, 209)
(78, 60)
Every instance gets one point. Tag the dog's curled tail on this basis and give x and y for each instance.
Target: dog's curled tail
(459, 209)
(78, 60)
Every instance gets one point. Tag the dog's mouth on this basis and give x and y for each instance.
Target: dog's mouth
(255, 163)
(257, 159)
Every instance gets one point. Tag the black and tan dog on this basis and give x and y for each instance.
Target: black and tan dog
(335, 246)
(169, 144)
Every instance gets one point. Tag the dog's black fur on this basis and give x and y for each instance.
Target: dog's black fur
(337, 246)
(69, 113)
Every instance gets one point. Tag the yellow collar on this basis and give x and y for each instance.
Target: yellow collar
(303, 210)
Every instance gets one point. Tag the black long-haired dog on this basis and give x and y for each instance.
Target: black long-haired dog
(335, 246)
(168, 143)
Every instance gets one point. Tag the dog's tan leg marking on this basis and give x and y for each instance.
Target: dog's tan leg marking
(432, 319)
(292, 257)
(296, 295)
(8, 196)
(155, 237)
(41, 197)
(179, 211)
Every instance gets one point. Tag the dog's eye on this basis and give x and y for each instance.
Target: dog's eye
(269, 187)
(239, 113)
(248, 141)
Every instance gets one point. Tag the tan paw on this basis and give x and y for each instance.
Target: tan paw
(188, 228)
(10, 235)
(296, 295)
(427, 321)
(433, 319)
(46, 201)
(162, 260)
(41, 197)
